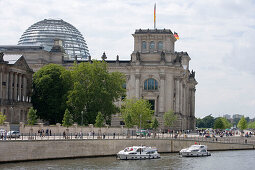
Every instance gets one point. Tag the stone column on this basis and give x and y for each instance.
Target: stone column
(19, 90)
(7, 86)
(137, 85)
(181, 97)
(15, 86)
(10, 86)
(177, 95)
(1, 83)
(24, 88)
(162, 93)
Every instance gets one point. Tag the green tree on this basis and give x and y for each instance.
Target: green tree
(68, 119)
(242, 124)
(226, 123)
(95, 89)
(251, 125)
(31, 116)
(2, 118)
(200, 123)
(219, 123)
(128, 121)
(99, 120)
(154, 124)
(139, 110)
(50, 86)
(208, 121)
(169, 118)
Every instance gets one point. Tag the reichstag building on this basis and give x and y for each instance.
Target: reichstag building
(155, 71)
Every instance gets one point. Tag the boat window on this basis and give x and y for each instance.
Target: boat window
(196, 150)
(203, 150)
(201, 146)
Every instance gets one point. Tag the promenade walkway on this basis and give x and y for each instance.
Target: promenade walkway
(86, 136)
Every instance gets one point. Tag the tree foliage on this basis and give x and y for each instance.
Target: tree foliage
(95, 89)
(99, 120)
(155, 123)
(128, 120)
(31, 116)
(139, 110)
(251, 125)
(68, 119)
(242, 124)
(219, 124)
(169, 118)
(2, 118)
(50, 86)
(222, 123)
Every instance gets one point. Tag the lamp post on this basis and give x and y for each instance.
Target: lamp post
(82, 118)
(140, 121)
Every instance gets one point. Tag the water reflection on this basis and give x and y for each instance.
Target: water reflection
(219, 160)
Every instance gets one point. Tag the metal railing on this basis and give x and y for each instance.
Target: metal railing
(112, 136)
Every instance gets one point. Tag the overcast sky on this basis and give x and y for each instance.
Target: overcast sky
(218, 35)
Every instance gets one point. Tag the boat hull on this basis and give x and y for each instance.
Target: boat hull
(195, 154)
(137, 157)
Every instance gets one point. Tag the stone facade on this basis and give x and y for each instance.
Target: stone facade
(15, 87)
(159, 74)
(155, 72)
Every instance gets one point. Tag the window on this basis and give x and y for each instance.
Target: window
(124, 86)
(150, 84)
(144, 45)
(160, 45)
(152, 45)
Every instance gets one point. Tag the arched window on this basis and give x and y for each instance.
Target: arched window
(160, 45)
(144, 45)
(150, 84)
(152, 45)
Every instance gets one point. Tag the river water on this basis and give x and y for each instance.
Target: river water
(220, 160)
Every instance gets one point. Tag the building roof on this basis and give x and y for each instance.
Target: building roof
(46, 31)
(153, 31)
(11, 58)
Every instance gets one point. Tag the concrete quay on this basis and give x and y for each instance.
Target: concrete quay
(18, 150)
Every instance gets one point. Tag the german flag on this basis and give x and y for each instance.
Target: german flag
(176, 35)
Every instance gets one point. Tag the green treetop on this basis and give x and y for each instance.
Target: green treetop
(242, 124)
(95, 89)
(154, 124)
(2, 118)
(50, 86)
(31, 116)
(128, 121)
(169, 118)
(68, 119)
(99, 120)
(139, 110)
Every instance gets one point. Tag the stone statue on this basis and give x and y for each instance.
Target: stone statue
(138, 58)
(163, 56)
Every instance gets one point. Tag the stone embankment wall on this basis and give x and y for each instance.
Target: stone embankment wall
(58, 129)
(55, 149)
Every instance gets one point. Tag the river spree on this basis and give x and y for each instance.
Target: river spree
(223, 160)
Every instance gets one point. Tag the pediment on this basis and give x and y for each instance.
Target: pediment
(22, 64)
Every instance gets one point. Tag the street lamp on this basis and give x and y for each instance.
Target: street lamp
(81, 117)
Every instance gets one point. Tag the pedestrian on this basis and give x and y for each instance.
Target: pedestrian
(47, 132)
(93, 133)
(50, 132)
(114, 135)
(64, 135)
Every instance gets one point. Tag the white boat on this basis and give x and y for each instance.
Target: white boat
(138, 152)
(195, 150)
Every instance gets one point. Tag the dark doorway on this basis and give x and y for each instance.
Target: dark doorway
(152, 102)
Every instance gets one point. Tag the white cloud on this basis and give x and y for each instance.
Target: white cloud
(218, 35)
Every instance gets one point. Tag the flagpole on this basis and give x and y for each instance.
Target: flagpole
(155, 16)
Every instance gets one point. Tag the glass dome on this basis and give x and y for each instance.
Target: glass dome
(44, 32)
